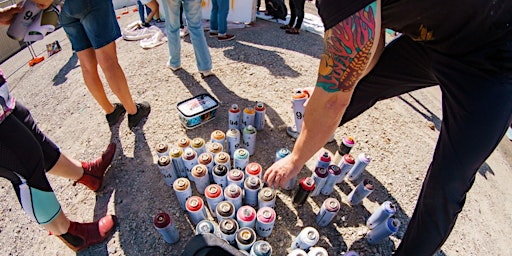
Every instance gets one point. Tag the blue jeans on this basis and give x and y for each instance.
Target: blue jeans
(219, 16)
(141, 8)
(192, 9)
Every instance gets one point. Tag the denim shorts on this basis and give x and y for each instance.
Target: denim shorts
(89, 23)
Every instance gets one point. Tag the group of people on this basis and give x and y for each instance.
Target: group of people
(465, 49)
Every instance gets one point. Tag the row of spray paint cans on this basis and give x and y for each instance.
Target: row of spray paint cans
(329, 173)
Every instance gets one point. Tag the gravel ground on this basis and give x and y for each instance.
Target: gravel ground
(263, 64)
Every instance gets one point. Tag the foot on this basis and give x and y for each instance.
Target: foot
(184, 32)
(174, 69)
(285, 27)
(213, 33)
(293, 31)
(95, 170)
(146, 24)
(206, 73)
(226, 37)
(117, 115)
(143, 110)
(83, 235)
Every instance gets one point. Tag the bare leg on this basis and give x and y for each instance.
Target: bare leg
(107, 59)
(67, 167)
(59, 225)
(153, 5)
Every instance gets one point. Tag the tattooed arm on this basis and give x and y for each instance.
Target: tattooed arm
(351, 49)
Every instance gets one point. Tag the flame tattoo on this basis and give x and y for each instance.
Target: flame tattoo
(347, 51)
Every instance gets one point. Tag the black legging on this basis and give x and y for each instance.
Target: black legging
(296, 12)
(477, 109)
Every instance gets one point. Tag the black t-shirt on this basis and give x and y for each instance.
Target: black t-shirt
(452, 27)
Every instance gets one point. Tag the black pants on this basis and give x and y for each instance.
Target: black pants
(296, 12)
(477, 108)
(24, 149)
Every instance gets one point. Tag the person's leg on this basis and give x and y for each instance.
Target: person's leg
(193, 15)
(477, 109)
(223, 16)
(299, 7)
(172, 22)
(153, 5)
(293, 13)
(181, 15)
(214, 18)
(141, 11)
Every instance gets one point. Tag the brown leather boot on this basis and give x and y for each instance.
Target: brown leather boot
(83, 235)
(94, 170)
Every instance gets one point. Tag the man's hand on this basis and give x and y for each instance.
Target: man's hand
(280, 172)
(8, 13)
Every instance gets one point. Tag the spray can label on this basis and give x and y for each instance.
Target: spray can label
(360, 164)
(234, 117)
(167, 170)
(327, 212)
(259, 118)
(307, 238)
(383, 230)
(265, 218)
(164, 225)
(183, 191)
(249, 139)
(360, 192)
(384, 212)
(298, 100)
(177, 162)
(21, 22)
(248, 117)
(346, 163)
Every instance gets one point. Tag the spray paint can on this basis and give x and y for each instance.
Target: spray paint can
(351, 253)
(253, 169)
(334, 174)
(266, 198)
(167, 170)
(177, 162)
(265, 218)
(162, 149)
(219, 174)
(324, 160)
(214, 148)
(233, 141)
(183, 191)
(248, 117)
(184, 143)
(327, 212)
(201, 179)
(234, 117)
(225, 210)
(246, 216)
(233, 194)
(206, 227)
(196, 210)
(317, 251)
(245, 238)
(346, 163)
(360, 192)
(259, 118)
(228, 228)
(280, 154)
(298, 252)
(347, 143)
(249, 139)
(384, 212)
(362, 161)
(383, 230)
(241, 159)
(236, 177)
(214, 196)
(320, 177)
(261, 248)
(189, 161)
(307, 238)
(218, 136)
(298, 100)
(206, 159)
(198, 145)
(252, 186)
(223, 158)
(21, 22)
(306, 185)
(165, 226)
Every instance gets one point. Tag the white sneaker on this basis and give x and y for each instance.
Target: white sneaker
(174, 69)
(157, 39)
(206, 73)
(509, 133)
(138, 34)
(184, 32)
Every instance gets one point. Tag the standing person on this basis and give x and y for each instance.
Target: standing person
(192, 9)
(296, 13)
(155, 11)
(142, 14)
(26, 155)
(92, 29)
(219, 20)
(469, 58)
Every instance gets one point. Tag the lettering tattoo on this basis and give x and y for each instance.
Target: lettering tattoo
(347, 51)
